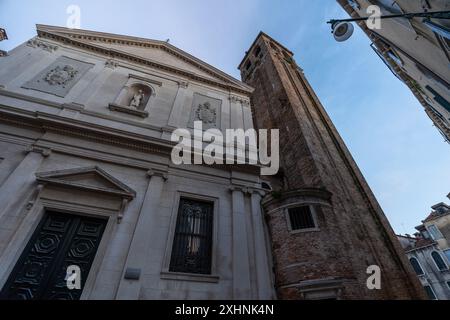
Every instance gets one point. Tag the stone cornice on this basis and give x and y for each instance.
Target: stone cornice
(80, 39)
(71, 106)
(275, 197)
(90, 131)
(44, 122)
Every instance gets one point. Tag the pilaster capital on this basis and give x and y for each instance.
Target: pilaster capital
(45, 152)
(242, 189)
(158, 173)
(183, 84)
(257, 191)
(237, 99)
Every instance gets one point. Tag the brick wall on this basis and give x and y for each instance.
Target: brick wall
(353, 231)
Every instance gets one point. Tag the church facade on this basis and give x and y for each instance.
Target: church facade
(89, 191)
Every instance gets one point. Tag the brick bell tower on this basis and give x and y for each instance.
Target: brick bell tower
(325, 225)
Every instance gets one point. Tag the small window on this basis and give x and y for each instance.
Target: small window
(301, 218)
(257, 51)
(416, 266)
(434, 232)
(430, 292)
(440, 264)
(248, 65)
(274, 47)
(192, 244)
(439, 99)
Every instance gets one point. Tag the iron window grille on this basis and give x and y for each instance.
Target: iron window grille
(301, 218)
(192, 244)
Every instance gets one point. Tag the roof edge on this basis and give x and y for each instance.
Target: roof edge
(262, 34)
(192, 59)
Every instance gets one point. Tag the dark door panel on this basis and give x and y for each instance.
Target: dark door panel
(59, 241)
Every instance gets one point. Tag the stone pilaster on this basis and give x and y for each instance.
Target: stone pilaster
(178, 105)
(263, 272)
(240, 258)
(14, 188)
(131, 282)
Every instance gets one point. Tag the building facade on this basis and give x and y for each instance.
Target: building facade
(89, 192)
(86, 174)
(416, 50)
(325, 224)
(429, 263)
(436, 226)
(429, 252)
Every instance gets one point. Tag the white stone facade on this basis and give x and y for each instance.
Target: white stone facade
(71, 141)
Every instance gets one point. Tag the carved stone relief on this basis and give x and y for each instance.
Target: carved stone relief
(206, 113)
(35, 43)
(59, 77)
(207, 110)
(243, 101)
(110, 63)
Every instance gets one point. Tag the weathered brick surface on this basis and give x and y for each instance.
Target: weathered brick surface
(354, 233)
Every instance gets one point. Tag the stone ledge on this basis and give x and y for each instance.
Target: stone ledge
(129, 110)
(167, 275)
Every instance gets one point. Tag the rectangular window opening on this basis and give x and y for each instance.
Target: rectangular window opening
(301, 218)
(192, 244)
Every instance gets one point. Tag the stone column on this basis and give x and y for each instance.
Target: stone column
(240, 258)
(131, 282)
(13, 189)
(263, 272)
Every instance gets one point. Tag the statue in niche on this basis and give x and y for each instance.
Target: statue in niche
(137, 99)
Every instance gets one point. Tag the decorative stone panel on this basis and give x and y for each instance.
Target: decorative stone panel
(35, 43)
(59, 77)
(207, 110)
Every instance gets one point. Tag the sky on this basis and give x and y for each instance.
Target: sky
(402, 156)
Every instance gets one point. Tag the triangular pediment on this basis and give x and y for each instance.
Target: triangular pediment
(159, 55)
(155, 52)
(88, 178)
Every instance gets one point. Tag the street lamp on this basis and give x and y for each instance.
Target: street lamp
(342, 29)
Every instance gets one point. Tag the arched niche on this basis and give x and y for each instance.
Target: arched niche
(137, 96)
(134, 98)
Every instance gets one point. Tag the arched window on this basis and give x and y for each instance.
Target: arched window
(416, 266)
(438, 261)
